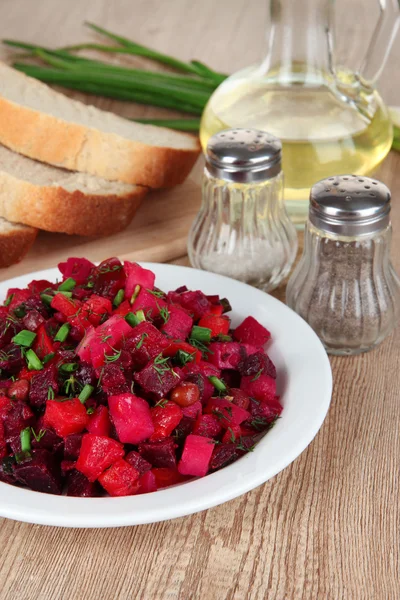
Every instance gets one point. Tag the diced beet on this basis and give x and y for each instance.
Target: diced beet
(193, 411)
(72, 446)
(144, 342)
(85, 374)
(40, 472)
(148, 303)
(158, 379)
(11, 358)
(43, 344)
(33, 320)
(67, 466)
(223, 455)
(96, 309)
(121, 479)
(141, 465)
(185, 427)
(40, 385)
(147, 483)
(217, 324)
(264, 412)
(231, 378)
(97, 453)
(196, 303)
(225, 355)
(166, 477)
(107, 340)
(159, 454)
(108, 278)
(137, 275)
(232, 434)
(18, 297)
(19, 389)
(19, 417)
(196, 456)
(37, 286)
(6, 470)
(66, 417)
(14, 442)
(239, 398)
(179, 323)
(8, 328)
(78, 485)
(251, 331)
(228, 413)
(262, 387)
(64, 305)
(77, 268)
(165, 418)
(113, 379)
(131, 417)
(83, 349)
(207, 426)
(49, 440)
(257, 363)
(99, 422)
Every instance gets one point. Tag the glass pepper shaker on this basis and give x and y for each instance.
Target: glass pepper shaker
(243, 230)
(345, 286)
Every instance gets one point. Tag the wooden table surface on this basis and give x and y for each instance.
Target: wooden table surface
(327, 527)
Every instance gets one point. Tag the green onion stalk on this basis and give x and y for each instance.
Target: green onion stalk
(187, 88)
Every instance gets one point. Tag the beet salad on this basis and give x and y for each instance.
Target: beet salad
(110, 385)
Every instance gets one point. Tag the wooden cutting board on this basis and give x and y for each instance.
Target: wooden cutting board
(157, 233)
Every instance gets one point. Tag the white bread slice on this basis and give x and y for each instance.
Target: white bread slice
(53, 199)
(43, 124)
(15, 241)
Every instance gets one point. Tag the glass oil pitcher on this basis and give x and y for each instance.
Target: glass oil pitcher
(329, 119)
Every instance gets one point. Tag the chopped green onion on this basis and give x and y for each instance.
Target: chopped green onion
(67, 285)
(69, 367)
(66, 294)
(20, 311)
(9, 300)
(48, 358)
(46, 298)
(217, 383)
(26, 439)
(62, 333)
(135, 293)
(90, 410)
(184, 357)
(201, 334)
(50, 394)
(135, 318)
(24, 338)
(118, 298)
(34, 362)
(86, 392)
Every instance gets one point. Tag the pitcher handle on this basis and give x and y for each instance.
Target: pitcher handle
(381, 41)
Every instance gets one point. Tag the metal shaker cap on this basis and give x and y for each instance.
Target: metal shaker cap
(350, 205)
(243, 155)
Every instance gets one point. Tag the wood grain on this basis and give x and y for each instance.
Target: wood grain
(326, 528)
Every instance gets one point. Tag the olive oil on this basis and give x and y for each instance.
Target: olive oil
(322, 132)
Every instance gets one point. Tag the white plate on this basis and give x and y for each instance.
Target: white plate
(304, 381)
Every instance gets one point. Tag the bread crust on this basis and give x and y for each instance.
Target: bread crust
(79, 148)
(53, 208)
(14, 244)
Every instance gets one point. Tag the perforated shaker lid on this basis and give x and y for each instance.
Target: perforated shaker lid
(350, 205)
(243, 155)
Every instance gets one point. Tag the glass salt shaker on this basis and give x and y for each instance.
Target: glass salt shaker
(345, 286)
(243, 230)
